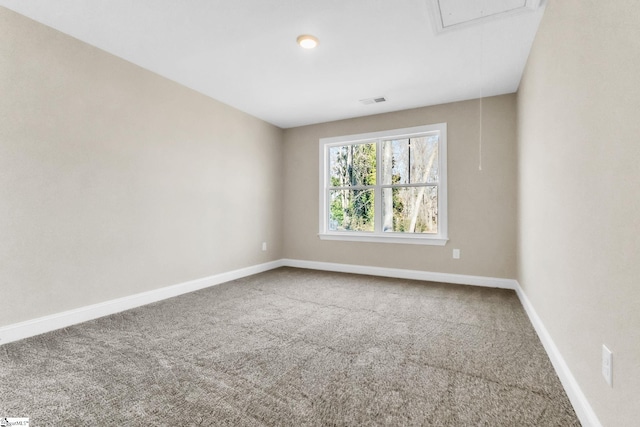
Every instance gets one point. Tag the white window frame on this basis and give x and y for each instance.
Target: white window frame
(439, 239)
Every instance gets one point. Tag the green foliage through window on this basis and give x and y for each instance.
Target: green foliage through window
(408, 208)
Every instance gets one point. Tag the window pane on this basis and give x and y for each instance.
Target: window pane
(423, 153)
(338, 171)
(410, 161)
(351, 210)
(410, 209)
(395, 161)
(351, 165)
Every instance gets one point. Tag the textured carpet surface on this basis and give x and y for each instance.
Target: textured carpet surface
(294, 347)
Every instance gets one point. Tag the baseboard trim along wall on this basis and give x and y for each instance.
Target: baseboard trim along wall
(460, 279)
(64, 319)
(581, 405)
(29, 328)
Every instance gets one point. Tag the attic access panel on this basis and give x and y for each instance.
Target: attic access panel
(457, 13)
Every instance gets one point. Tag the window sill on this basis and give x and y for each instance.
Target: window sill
(411, 240)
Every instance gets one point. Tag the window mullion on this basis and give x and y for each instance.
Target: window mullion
(354, 187)
(425, 184)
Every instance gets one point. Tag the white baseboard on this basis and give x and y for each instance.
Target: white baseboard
(581, 405)
(461, 279)
(67, 318)
(29, 328)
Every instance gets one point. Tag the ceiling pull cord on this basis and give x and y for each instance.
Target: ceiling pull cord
(481, 84)
(480, 139)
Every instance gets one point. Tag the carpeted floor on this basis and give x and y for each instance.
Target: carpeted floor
(294, 347)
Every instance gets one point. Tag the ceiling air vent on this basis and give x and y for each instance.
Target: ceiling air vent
(375, 100)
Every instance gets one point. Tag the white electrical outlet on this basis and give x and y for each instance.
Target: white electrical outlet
(456, 254)
(607, 365)
(264, 246)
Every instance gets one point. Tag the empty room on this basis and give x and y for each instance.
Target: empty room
(320, 213)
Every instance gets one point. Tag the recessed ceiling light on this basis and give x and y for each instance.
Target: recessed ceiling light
(306, 41)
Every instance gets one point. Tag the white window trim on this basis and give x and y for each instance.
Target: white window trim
(439, 239)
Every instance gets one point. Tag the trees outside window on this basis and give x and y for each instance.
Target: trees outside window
(385, 186)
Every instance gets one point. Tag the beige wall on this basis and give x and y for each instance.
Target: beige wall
(115, 181)
(579, 210)
(482, 204)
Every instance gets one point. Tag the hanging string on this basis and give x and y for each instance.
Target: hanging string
(481, 84)
(480, 138)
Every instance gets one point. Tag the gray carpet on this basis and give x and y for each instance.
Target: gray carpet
(294, 347)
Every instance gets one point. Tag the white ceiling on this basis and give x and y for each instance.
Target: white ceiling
(244, 52)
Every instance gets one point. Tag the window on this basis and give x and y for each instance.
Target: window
(386, 186)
